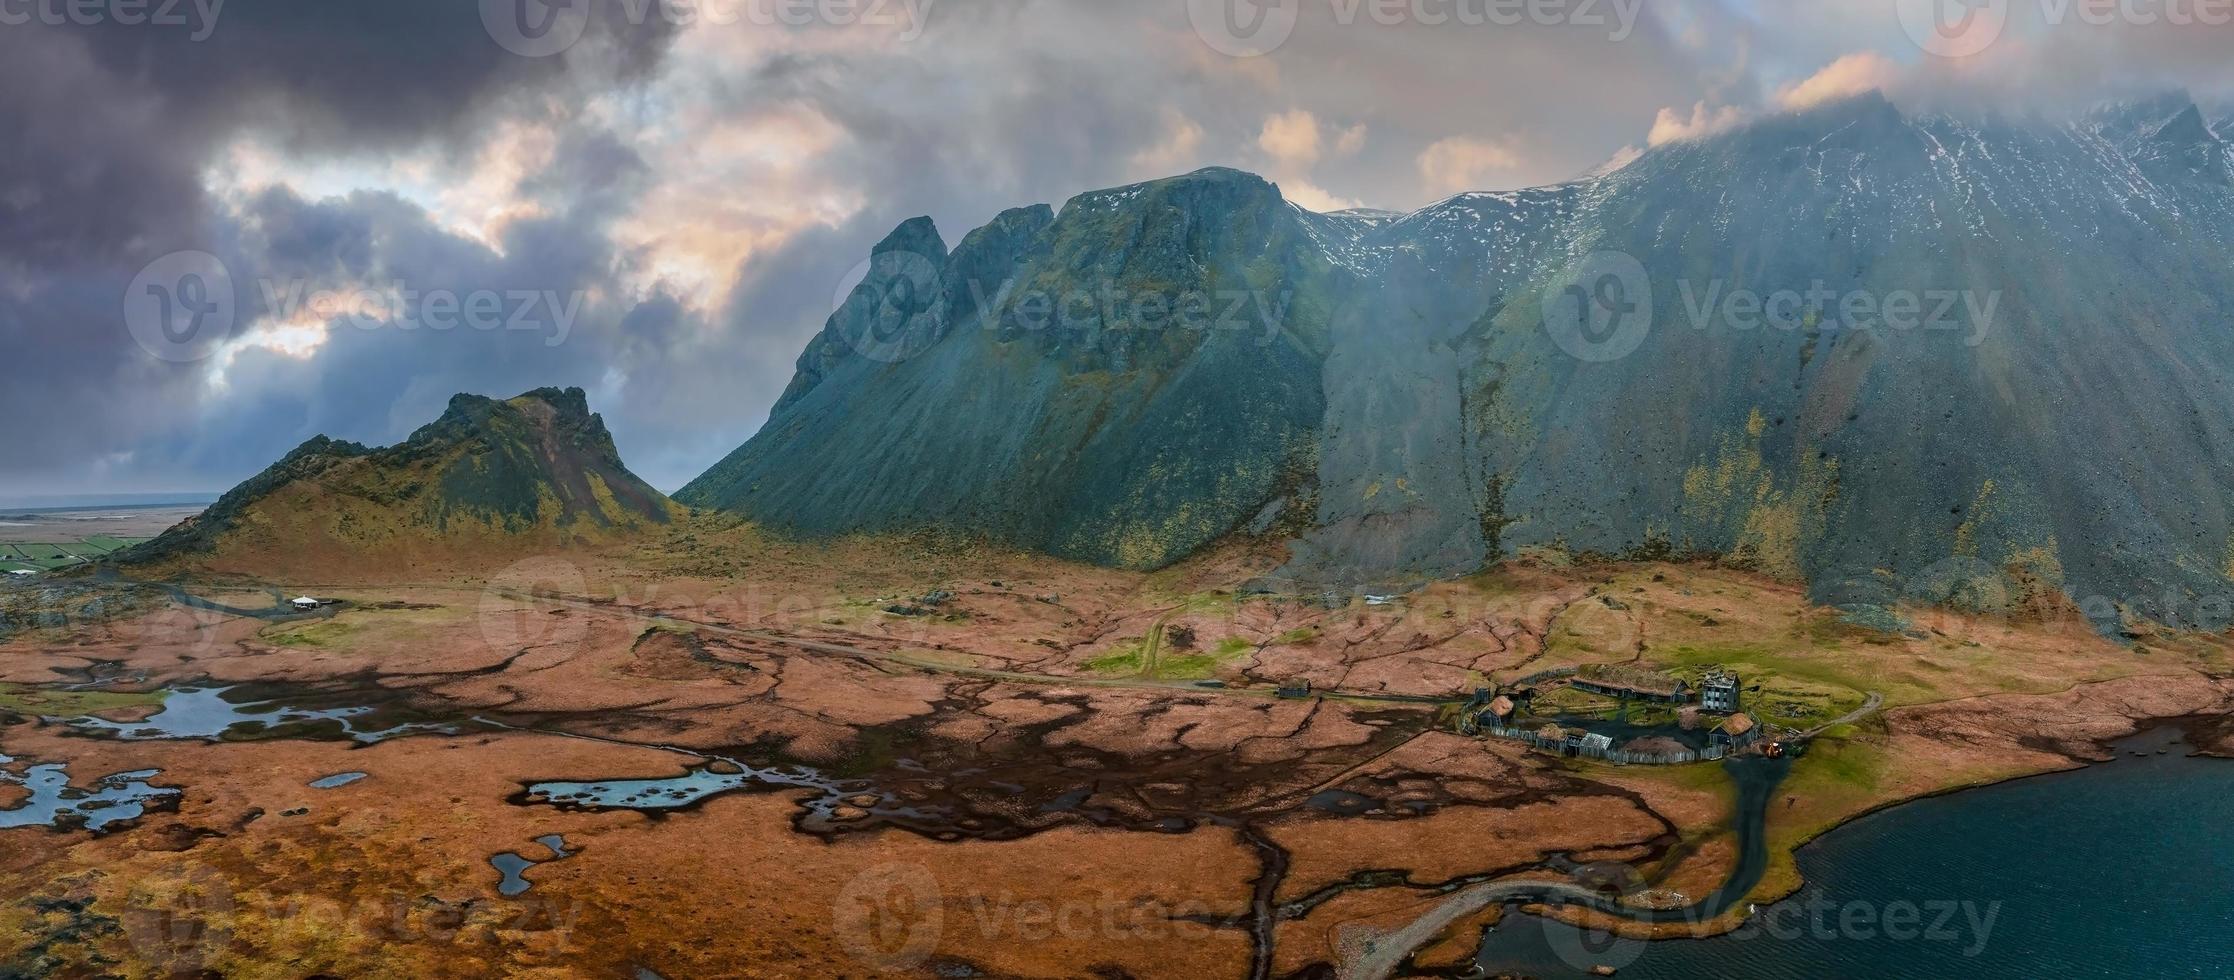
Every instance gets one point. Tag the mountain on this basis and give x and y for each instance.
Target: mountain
(1994, 363)
(540, 466)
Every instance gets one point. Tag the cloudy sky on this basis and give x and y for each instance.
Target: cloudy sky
(348, 210)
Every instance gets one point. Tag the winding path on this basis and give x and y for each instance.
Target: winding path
(1869, 706)
(959, 670)
(1368, 954)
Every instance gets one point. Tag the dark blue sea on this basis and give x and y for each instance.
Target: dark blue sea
(2123, 869)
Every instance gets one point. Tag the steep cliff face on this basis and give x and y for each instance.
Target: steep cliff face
(1876, 353)
(1124, 384)
(540, 464)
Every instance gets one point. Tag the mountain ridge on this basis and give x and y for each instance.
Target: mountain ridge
(539, 465)
(1412, 417)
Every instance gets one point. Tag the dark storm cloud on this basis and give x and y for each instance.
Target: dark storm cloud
(774, 157)
(110, 127)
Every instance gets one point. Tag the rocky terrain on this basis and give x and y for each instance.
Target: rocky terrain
(922, 760)
(488, 476)
(1996, 331)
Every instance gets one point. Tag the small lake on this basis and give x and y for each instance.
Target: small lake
(232, 713)
(2116, 870)
(53, 802)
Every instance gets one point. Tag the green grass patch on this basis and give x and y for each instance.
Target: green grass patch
(1191, 667)
(1130, 660)
(30, 700)
(1125, 660)
(1802, 677)
(41, 551)
(1838, 765)
(315, 633)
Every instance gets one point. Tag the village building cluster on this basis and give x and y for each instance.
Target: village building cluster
(1717, 698)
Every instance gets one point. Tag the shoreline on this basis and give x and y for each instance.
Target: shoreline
(1588, 917)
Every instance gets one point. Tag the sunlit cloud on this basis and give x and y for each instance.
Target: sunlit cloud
(298, 341)
(1463, 163)
(1854, 74)
(1670, 125)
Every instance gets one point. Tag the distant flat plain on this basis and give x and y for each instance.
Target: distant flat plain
(48, 538)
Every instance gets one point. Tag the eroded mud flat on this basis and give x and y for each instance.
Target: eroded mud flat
(1078, 772)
